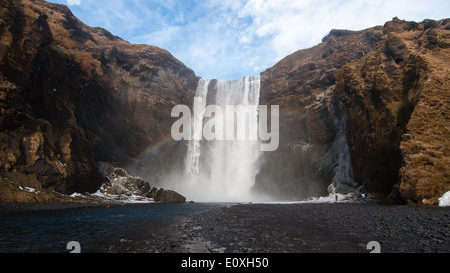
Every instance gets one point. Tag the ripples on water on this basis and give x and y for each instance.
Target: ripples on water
(96, 228)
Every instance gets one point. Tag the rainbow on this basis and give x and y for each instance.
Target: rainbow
(150, 151)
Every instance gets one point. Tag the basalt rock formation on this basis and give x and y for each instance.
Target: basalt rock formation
(366, 111)
(73, 95)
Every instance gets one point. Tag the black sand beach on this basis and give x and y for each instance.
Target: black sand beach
(300, 228)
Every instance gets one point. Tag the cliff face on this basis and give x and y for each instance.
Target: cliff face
(363, 111)
(313, 153)
(398, 100)
(71, 95)
(366, 108)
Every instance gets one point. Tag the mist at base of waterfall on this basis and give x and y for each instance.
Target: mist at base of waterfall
(223, 170)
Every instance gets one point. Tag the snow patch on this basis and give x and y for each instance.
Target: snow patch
(341, 198)
(62, 165)
(124, 198)
(28, 189)
(444, 201)
(76, 194)
(332, 198)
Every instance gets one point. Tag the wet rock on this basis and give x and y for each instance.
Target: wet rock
(168, 196)
(119, 182)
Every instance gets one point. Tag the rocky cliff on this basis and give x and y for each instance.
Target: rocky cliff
(73, 95)
(364, 111)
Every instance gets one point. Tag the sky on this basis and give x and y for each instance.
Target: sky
(228, 39)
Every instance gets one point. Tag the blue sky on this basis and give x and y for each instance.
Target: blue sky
(228, 39)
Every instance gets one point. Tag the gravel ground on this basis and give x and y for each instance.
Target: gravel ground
(300, 228)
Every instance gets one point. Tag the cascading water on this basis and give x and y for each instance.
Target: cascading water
(224, 169)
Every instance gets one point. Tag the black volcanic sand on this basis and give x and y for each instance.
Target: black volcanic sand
(300, 228)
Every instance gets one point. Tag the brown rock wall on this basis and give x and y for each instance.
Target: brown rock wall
(378, 97)
(72, 95)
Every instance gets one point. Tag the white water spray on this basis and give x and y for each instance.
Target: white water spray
(224, 170)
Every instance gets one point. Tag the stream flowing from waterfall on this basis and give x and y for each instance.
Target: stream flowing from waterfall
(224, 169)
(97, 229)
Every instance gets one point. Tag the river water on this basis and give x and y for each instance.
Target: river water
(96, 229)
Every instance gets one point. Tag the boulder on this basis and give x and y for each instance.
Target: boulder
(168, 196)
(119, 182)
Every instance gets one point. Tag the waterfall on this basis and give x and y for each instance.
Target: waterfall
(224, 169)
(194, 151)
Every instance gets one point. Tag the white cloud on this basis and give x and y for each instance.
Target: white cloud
(292, 25)
(231, 38)
(160, 37)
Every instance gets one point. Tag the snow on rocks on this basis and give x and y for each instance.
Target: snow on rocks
(444, 201)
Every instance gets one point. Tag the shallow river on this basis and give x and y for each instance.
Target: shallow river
(96, 229)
